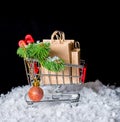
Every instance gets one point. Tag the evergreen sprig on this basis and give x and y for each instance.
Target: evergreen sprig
(21, 52)
(40, 51)
(55, 65)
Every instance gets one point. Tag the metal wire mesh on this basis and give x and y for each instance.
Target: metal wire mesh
(59, 77)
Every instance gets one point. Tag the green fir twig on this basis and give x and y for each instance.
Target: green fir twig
(41, 52)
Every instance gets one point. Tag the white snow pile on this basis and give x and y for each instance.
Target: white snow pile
(98, 103)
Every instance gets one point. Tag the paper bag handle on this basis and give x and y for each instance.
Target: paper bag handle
(76, 45)
(59, 35)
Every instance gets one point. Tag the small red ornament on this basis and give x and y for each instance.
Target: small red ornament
(36, 69)
(35, 93)
(21, 43)
(29, 39)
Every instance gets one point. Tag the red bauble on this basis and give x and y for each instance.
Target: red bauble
(36, 69)
(21, 43)
(35, 93)
(29, 39)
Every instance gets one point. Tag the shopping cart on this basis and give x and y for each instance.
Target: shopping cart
(56, 95)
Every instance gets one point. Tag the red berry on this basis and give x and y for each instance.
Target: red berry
(29, 39)
(21, 43)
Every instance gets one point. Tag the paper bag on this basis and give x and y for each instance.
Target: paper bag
(75, 55)
(62, 48)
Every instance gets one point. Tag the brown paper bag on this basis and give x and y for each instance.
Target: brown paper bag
(75, 55)
(62, 48)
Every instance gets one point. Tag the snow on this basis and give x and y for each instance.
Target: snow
(98, 103)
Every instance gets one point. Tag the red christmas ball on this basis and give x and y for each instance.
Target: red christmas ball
(36, 68)
(21, 43)
(35, 93)
(29, 39)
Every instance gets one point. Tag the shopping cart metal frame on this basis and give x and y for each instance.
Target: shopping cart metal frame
(56, 96)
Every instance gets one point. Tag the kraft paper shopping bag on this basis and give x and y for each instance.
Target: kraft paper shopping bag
(75, 56)
(61, 47)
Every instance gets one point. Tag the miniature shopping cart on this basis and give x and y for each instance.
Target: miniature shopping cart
(56, 94)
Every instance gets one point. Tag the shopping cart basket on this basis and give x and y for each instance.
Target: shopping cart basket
(56, 95)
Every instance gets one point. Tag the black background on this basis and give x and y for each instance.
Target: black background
(96, 31)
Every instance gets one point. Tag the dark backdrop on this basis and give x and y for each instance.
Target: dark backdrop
(97, 36)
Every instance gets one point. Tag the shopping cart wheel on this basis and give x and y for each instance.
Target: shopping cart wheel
(29, 102)
(76, 99)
